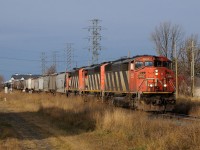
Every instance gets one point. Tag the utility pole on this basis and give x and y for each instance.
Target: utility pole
(68, 54)
(192, 70)
(129, 54)
(176, 67)
(94, 39)
(43, 62)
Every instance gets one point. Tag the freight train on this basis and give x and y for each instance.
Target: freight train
(142, 82)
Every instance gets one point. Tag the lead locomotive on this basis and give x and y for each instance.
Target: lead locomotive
(142, 82)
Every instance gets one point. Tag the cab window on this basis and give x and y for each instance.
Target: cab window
(148, 63)
(138, 64)
(158, 64)
(167, 64)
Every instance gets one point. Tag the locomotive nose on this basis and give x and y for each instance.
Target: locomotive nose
(163, 78)
(160, 73)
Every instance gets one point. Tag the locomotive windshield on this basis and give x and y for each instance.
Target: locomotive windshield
(166, 64)
(158, 63)
(148, 63)
(138, 64)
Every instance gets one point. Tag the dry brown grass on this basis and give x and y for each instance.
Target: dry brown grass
(188, 106)
(106, 127)
(137, 131)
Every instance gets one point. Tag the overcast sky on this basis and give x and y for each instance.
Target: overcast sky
(30, 27)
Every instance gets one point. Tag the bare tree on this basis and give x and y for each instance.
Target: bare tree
(1, 82)
(51, 70)
(165, 37)
(186, 55)
(184, 63)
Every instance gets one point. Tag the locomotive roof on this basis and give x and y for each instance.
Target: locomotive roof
(118, 61)
(126, 60)
(92, 67)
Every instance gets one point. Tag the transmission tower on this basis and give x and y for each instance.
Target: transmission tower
(43, 62)
(68, 54)
(54, 60)
(94, 39)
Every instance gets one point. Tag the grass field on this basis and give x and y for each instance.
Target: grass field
(97, 126)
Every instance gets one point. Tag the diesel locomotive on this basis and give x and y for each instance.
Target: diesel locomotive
(142, 82)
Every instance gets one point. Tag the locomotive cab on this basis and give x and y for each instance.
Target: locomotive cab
(153, 80)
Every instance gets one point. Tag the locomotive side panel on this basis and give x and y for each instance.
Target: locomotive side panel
(93, 79)
(74, 81)
(117, 78)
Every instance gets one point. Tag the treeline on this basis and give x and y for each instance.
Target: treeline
(170, 40)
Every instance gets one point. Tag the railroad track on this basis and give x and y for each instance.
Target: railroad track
(179, 117)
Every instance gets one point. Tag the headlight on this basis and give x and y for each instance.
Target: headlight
(151, 85)
(165, 85)
(156, 70)
(156, 73)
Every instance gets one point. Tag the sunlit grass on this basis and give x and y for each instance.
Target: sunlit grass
(107, 127)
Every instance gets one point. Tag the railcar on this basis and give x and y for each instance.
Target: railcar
(73, 79)
(41, 83)
(46, 83)
(60, 82)
(52, 83)
(36, 85)
(28, 84)
(15, 84)
(141, 82)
